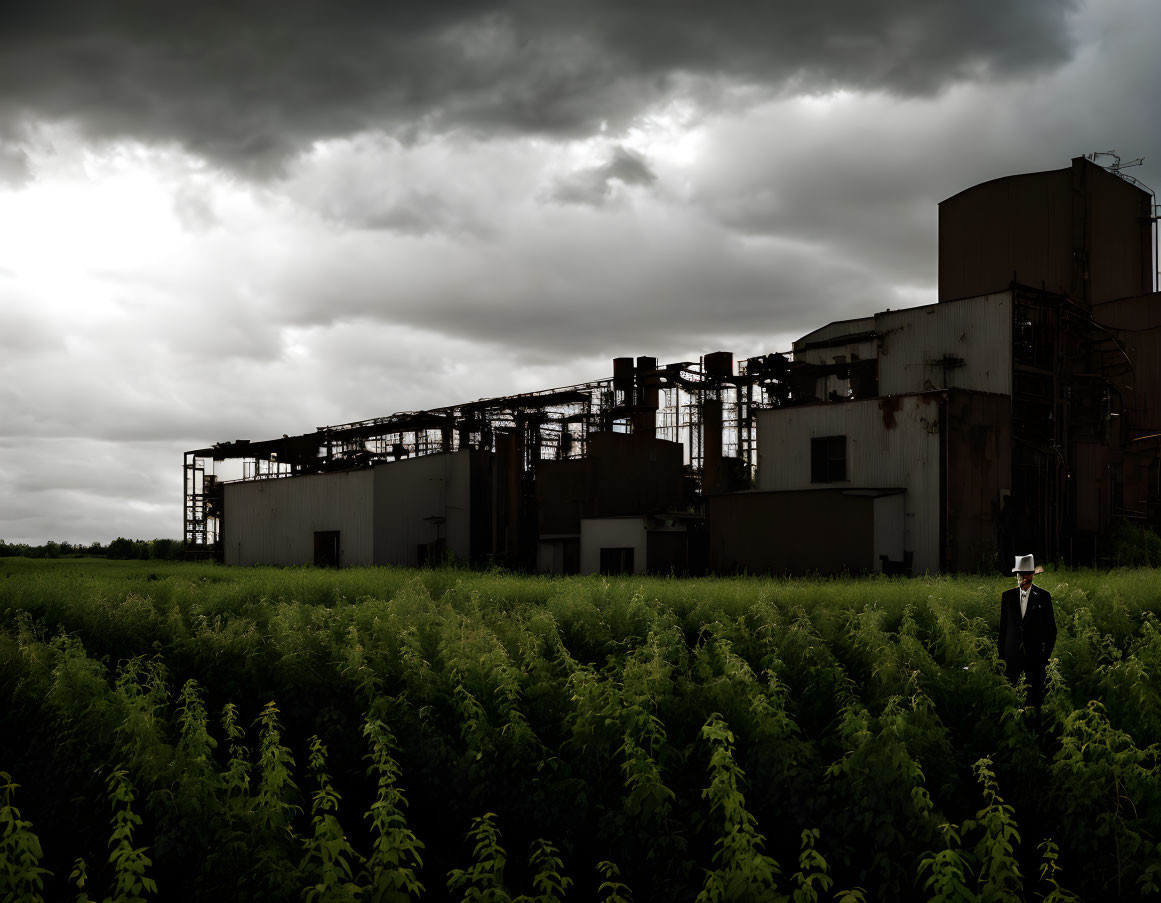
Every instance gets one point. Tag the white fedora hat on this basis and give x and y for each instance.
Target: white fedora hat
(1026, 564)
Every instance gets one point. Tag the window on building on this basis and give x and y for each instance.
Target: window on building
(617, 560)
(828, 459)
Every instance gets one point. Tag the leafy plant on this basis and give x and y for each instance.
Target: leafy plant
(948, 872)
(742, 870)
(328, 854)
(548, 874)
(391, 871)
(21, 875)
(129, 863)
(483, 880)
(995, 852)
(813, 875)
(1049, 872)
(272, 809)
(614, 891)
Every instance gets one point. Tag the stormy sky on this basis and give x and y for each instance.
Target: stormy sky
(218, 224)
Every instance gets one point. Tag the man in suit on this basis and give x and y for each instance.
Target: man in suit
(1027, 629)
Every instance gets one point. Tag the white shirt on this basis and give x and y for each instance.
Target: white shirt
(1024, 602)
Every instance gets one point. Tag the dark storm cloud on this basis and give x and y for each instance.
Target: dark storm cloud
(656, 276)
(249, 85)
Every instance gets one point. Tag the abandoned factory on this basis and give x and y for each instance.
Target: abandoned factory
(1020, 412)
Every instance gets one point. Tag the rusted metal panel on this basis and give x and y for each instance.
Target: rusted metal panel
(1090, 464)
(979, 478)
(561, 495)
(623, 474)
(1012, 228)
(1081, 231)
(1119, 232)
(803, 532)
(1136, 324)
(274, 521)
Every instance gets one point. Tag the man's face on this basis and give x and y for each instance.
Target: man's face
(1024, 579)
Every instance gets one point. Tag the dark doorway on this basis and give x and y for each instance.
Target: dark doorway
(326, 548)
(617, 560)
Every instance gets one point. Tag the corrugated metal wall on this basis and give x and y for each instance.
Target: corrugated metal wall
(1136, 322)
(919, 348)
(979, 468)
(1091, 486)
(891, 443)
(1081, 231)
(1013, 227)
(890, 515)
(423, 502)
(832, 334)
(274, 521)
(1120, 260)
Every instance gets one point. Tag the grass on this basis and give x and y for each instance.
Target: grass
(586, 715)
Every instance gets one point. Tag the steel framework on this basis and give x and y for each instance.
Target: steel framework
(704, 405)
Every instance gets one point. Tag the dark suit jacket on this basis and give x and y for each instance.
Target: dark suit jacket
(1028, 641)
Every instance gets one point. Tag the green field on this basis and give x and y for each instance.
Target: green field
(191, 732)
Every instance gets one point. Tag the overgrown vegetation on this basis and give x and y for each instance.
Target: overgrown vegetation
(190, 732)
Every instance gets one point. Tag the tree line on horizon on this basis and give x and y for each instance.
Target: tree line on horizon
(120, 548)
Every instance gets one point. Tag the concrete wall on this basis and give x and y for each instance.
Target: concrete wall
(892, 443)
(424, 501)
(274, 521)
(612, 532)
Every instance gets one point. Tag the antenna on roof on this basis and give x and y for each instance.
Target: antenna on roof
(1116, 165)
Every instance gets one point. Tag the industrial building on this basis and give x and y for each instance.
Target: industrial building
(1021, 410)
(524, 481)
